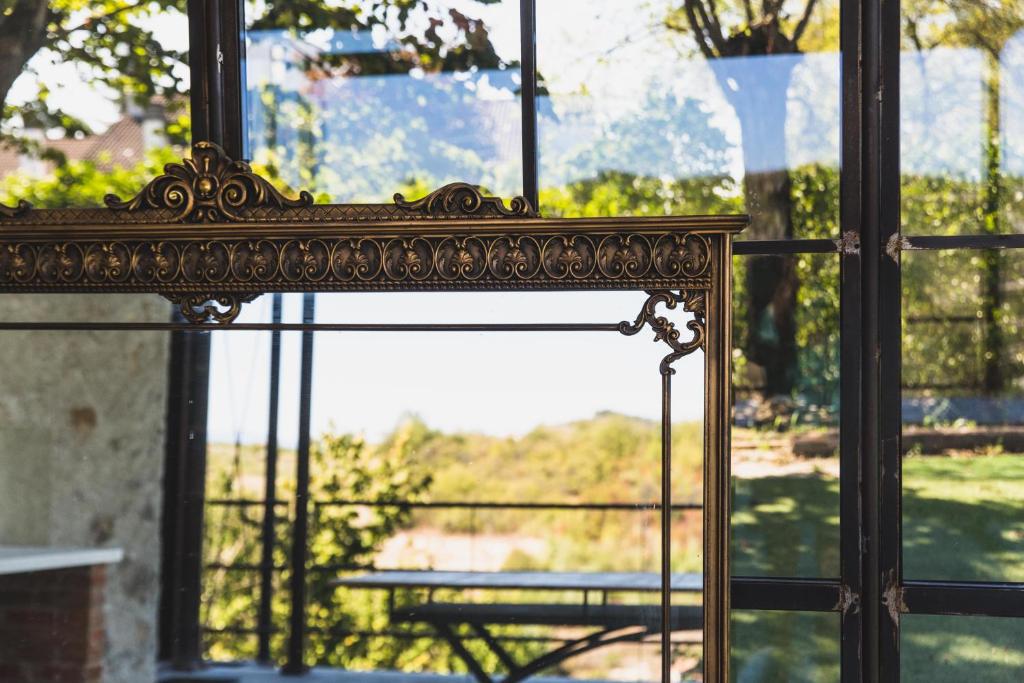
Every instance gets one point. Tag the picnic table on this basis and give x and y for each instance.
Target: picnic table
(613, 622)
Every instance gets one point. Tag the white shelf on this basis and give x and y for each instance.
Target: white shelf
(22, 559)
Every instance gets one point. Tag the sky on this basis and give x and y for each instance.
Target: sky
(497, 383)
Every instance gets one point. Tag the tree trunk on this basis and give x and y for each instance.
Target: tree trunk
(771, 286)
(22, 34)
(756, 88)
(994, 380)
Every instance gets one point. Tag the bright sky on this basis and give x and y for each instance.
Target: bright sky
(498, 383)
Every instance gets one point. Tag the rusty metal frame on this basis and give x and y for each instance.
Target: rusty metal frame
(209, 234)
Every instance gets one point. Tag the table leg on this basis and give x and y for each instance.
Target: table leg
(577, 647)
(456, 643)
(496, 648)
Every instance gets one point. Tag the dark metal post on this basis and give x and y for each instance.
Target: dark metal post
(214, 59)
(666, 526)
(300, 532)
(852, 540)
(886, 348)
(184, 498)
(880, 462)
(216, 55)
(265, 623)
(528, 65)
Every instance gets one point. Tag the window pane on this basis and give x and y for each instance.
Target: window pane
(785, 647)
(355, 101)
(945, 649)
(962, 69)
(639, 116)
(98, 107)
(962, 414)
(785, 461)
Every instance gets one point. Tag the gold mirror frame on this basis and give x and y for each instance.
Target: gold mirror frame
(211, 235)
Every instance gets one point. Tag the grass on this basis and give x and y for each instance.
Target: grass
(963, 520)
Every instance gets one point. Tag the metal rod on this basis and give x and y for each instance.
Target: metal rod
(295, 664)
(232, 72)
(784, 594)
(851, 539)
(666, 527)
(773, 247)
(270, 491)
(310, 327)
(187, 651)
(886, 348)
(173, 524)
(633, 507)
(964, 598)
(528, 97)
(937, 242)
(241, 502)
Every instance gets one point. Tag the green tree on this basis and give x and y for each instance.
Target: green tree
(411, 71)
(986, 27)
(342, 538)
(734, 38)
(110, 43)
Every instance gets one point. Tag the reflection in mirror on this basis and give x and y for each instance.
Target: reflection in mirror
(961, 66)
(785, 438)
(97, 105)
(648, 109)
(354, 101)
(963, 415)
(517, 475)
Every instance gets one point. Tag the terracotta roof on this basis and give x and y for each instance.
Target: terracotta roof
(122, 144)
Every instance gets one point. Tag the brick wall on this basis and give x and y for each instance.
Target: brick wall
(51, 626)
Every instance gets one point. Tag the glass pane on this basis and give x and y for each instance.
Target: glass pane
(945, 649)
(963, 380)
(785, 443)
(95, 99)
(356, 101)
(785, 647)
(506, 453)
(645, 111)
(962, 69)
(82, 426)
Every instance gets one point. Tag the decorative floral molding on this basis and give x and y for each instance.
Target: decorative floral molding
(208, 188)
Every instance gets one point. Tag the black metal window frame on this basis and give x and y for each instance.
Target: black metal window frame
(870, 594)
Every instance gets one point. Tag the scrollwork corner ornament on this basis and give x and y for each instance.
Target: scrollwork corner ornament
(665, 330)
(14, 211)
(219, 309)
(211, 187)
(464, 200)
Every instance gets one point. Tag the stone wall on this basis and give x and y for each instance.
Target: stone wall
(82, 420)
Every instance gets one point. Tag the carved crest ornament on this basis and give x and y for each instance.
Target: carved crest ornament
(210, 234)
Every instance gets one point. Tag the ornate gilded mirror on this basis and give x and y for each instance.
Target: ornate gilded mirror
(211, 236)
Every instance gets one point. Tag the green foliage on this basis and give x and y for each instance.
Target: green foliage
(342, 538)
(111, 44)
(452, 40)
(84, 183)
(610, 458)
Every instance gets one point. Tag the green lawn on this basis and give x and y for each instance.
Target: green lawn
(963, 520)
